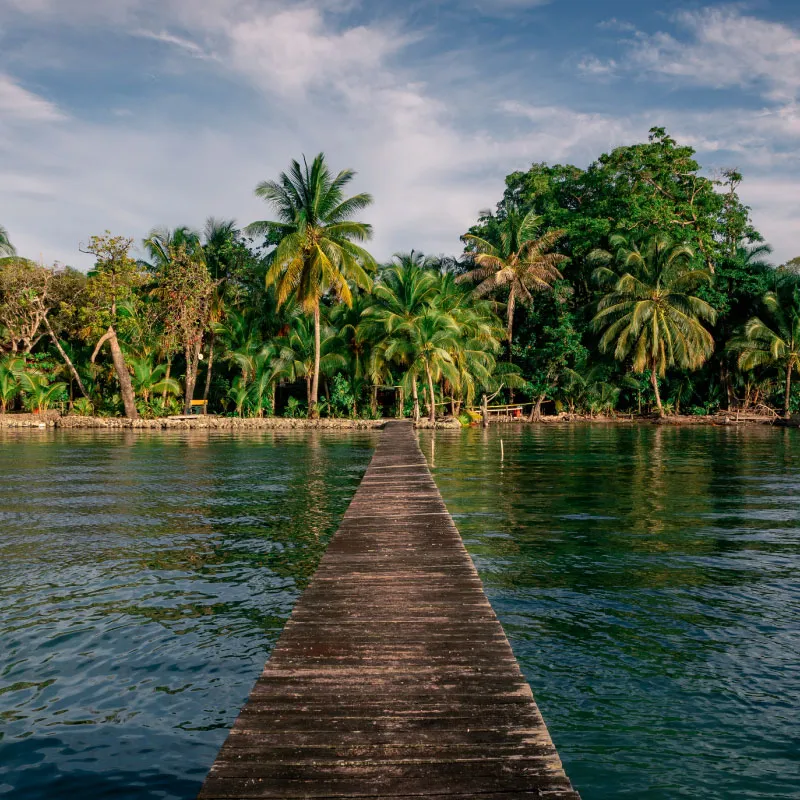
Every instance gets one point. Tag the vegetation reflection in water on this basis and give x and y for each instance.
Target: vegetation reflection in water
(647, 578)
(143, 581)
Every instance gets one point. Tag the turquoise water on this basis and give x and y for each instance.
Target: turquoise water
(649, 581)
(647, 577)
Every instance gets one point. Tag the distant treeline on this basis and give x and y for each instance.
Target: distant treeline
(637, 284)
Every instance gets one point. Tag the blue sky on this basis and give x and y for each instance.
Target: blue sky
(134, 113)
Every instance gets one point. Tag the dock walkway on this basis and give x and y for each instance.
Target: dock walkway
(393, 677)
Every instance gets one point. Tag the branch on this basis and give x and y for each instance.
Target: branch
(103, 339)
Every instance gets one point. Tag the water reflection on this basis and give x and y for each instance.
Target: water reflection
(647, 579)
(143, 581)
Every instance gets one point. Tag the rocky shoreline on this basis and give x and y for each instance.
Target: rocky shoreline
(199, 422)
(53, 419)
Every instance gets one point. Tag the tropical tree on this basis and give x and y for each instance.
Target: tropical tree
(519, 259)
(774, 341)
(112, 283)
(307, 350)
(39, 392)
(189, 292)
(404, 291)
(149, 379)
(317, 251)
(650, 313)
(11, 367)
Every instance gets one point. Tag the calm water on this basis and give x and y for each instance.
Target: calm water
(648, 578)
(143, 580)
(649, 581)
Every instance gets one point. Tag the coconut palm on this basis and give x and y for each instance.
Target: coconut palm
(149, 379)
(162, 241)
(39, 392)
(649, 313)
(11, 367)
(520, 260)
(6, 248)
(776, 341)
(308, 350)
(317, 251)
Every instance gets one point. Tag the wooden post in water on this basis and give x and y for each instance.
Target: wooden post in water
(393, 677)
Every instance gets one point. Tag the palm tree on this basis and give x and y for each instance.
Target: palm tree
(520, 260)
(40, 392)
(316, 249)
(649, 312)
(149, 379)
(403, 292)
(306, 350)
(433, 338)
(777, 341)
(162, 242)
(6, 248)
(11, 367)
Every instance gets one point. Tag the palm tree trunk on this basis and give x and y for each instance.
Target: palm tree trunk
(400, 404)
(788, 394)
(168, 373)
(654, 381)
(124, 377)
(66, 358)
(431, 395)
(312, 400)
(415, 396)
(210, 367)
(374, 405)
(512, 303)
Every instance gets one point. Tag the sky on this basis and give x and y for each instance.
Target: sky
(130, 114)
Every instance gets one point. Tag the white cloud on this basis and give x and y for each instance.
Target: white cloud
(294, 50)
(725, 48)
(17, 103)
(344, 89)
(186, 45)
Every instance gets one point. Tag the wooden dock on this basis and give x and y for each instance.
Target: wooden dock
(393, 677)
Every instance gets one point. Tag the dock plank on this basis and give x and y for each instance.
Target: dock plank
(393, 678)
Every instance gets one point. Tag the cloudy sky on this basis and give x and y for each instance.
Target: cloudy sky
(127, 114)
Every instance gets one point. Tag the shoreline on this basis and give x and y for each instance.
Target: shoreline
(53, 420)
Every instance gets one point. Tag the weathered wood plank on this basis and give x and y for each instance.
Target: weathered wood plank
(393, 677)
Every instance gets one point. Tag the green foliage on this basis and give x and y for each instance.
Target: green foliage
(638, 276)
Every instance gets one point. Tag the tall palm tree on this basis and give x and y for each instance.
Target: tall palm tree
(317, 251)
(6, 248)
(775, 342)
(520, 260)
(306, 351)
(649, 312)
(404, 291)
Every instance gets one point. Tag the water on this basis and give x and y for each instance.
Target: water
(143, 581)
(647, 578)
(649, 582)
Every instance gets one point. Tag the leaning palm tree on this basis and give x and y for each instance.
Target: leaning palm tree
(520, 260)
(775, 342)
(317, 251)
(6, 248)
(650, 313)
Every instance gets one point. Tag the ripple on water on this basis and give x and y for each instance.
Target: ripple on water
(143, 582)
(647, 579)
